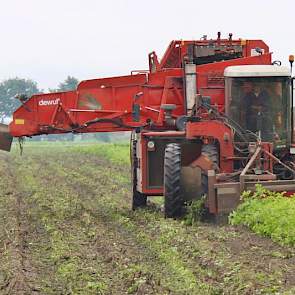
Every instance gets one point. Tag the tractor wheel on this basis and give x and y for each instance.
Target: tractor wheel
(211, 152)
(172, 184)
(138, 199)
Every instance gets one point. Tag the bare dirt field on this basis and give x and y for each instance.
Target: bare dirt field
(66, 228)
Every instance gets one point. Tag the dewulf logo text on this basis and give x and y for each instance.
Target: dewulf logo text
(49, 102)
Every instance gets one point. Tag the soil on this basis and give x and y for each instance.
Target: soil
(66, 228)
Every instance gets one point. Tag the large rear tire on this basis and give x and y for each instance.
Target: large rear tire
(173, 195)
(211, 152)
(139, 200)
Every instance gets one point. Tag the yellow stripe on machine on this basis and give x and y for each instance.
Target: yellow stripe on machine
(19, 121)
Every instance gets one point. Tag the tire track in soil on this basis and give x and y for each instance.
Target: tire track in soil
(242, 244)
(22, 273)
(141, 223)
(117, 246)
(59, 285)
(250, 254)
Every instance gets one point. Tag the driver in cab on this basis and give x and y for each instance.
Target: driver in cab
(257, 105)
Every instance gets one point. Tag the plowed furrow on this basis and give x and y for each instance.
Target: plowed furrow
(18, 269)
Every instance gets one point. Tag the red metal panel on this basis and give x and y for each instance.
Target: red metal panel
(113, 98)
(177, 49)
(39, 110)
(215, 130)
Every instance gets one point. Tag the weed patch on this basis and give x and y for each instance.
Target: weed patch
(195, 211)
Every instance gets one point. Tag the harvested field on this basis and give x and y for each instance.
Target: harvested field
(66, 228)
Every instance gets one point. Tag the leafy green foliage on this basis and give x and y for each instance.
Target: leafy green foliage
(195, 211)
(267, 213)
(11, 87)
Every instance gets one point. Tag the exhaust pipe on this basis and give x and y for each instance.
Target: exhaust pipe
(5, 138)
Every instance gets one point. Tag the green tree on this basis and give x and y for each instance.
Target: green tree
(11, 87)
(69, 84)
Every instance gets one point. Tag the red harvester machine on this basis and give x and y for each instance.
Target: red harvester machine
(213, 118)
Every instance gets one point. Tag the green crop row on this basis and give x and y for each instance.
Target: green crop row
(118, 153)
(115, 152)
(267, 213)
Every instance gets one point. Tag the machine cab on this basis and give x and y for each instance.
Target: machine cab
(258, 98)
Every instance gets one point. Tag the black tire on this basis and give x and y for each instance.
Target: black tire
(211, 152)
(139, 200)
(173, 197)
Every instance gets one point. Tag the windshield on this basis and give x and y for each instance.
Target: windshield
(261, 105)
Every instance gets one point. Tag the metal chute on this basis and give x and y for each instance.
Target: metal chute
(5, 138)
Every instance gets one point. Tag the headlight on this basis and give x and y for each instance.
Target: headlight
(151, 145)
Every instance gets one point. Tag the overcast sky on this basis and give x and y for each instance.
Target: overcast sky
(46, 40)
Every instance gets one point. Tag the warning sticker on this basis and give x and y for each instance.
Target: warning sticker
(19, 121)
